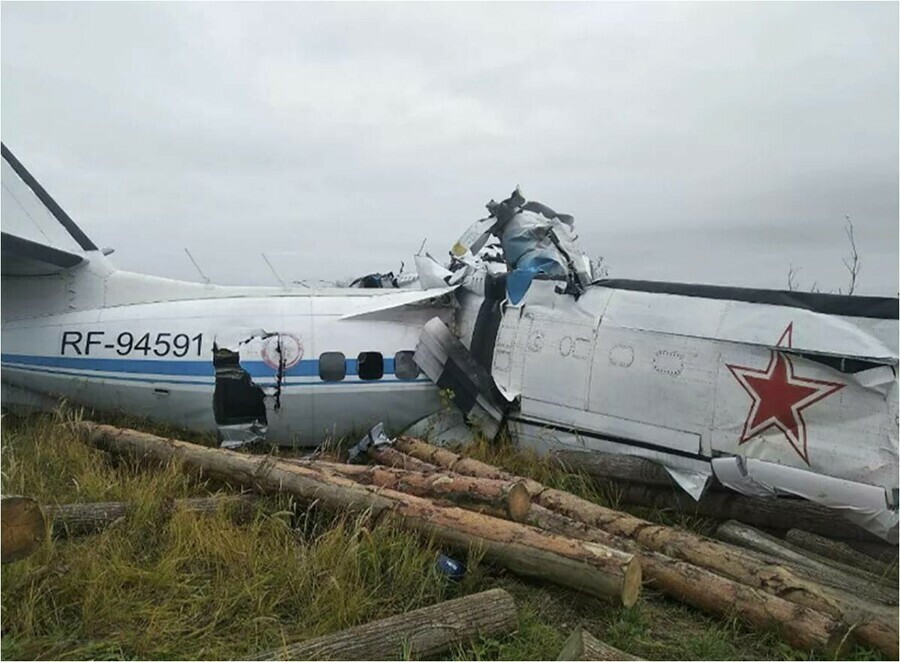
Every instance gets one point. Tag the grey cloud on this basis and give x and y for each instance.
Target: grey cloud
(720, 139)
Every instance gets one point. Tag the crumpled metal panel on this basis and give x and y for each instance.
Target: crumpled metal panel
(536, 242)
(867, 506)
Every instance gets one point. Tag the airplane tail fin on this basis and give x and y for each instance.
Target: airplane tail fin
(38, 237)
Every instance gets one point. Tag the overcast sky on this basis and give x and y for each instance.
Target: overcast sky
(717, 143)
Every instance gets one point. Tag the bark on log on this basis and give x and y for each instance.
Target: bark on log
(393, 458)
(802, 627)
(22, 528)
(869, 588)
(780, 514)
(508, 498)
(614, 467)
(75, 519)
(841, 552)
(582, 645)
(422, 633)
(875, 625)
(588, 567)
(882, 551)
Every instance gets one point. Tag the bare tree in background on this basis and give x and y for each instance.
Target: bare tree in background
(792, 279)
(852, 262)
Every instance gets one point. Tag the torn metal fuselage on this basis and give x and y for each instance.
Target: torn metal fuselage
(773, 393)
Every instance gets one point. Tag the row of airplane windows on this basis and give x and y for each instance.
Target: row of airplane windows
(369, 366)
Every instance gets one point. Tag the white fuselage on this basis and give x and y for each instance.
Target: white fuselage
(155, 359)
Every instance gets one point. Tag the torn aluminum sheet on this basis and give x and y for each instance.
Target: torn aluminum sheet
(732, 473)
(864, 505)
(692, 482)
(443, 428)
(376, 281)
(373, 439)
(241, 434)
(433, 275)
(447, 362)
(536, 241)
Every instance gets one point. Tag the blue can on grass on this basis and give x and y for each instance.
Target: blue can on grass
(451, 567)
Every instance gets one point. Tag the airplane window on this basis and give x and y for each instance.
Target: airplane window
(370, 365)
(332, 366)
(404, 366)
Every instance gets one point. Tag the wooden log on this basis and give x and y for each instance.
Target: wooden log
(802, 627)
(508, 498)
(870, 588)
(840, 552)
(447, 459)
(779, 514)
(642, 482)
(22, 528)
(75, 519)
(882, 551)
(417, 634)
(582, 645)
(876, 626)
(588, 567)
(614, 467)
(393, 458)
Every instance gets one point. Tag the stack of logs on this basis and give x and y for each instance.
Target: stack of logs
(555, 536)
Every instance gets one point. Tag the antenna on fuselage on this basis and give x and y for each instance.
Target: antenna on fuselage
(283, 284)
(197, 266)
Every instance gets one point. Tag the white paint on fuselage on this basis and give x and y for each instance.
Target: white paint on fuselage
(179, 389)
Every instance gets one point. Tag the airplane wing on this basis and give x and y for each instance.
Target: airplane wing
(38, 237)
(381, 301)
(24, 257)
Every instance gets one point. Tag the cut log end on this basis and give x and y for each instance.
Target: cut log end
(23, 527)
(518, 503)
(631, 588)
(581, 645)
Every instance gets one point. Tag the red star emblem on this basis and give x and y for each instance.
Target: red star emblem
(779, 396)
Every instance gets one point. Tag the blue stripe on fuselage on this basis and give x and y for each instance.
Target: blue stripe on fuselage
(168, 367)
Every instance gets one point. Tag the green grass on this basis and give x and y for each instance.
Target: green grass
(187, 586)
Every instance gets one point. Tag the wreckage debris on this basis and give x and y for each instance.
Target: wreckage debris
(536, 242)
(417, 634)
(582, 645)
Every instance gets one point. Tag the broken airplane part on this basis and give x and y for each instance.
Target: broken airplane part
(770, 392)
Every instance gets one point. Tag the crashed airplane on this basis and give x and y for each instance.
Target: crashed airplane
(771, 392)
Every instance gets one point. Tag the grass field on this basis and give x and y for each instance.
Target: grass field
(160, 586)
